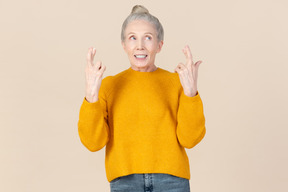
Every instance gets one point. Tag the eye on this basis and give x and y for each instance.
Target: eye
(149, 38)
(132, 37)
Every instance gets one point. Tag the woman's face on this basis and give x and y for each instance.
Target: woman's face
(141, 44)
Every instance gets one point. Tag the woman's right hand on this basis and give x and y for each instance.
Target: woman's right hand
(94, 75)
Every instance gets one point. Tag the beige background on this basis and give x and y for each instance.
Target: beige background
(243, 46)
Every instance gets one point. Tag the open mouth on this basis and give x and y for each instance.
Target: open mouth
(140, 56)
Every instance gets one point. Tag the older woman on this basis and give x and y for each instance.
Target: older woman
(145, 115)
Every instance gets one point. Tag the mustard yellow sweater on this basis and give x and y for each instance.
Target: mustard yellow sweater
(145, 120)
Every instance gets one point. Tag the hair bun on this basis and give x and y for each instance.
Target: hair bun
(139, 9)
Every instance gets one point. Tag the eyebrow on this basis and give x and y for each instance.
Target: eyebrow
(144, 33)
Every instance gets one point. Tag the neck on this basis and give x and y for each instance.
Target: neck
(144, 69)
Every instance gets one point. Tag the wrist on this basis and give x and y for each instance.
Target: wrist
(190, 93)
(91, 99)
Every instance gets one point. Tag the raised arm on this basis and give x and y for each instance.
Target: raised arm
(190, 117)
(93, 117)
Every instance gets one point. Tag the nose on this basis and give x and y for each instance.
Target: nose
(140, 45)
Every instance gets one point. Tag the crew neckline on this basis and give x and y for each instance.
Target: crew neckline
(143, 72)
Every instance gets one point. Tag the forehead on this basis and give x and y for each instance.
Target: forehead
(141, 27)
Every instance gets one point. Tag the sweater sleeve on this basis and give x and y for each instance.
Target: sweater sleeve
(190, 120)
(93, 126)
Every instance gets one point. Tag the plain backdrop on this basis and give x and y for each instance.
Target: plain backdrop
(242, 81)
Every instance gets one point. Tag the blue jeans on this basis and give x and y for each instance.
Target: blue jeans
(150, 182)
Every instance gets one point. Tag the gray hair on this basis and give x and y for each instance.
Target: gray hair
(139, 12)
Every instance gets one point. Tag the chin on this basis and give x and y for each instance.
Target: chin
(144, 65)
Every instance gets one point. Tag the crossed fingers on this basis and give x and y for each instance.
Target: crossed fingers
(90, 59)
(189, 59)
(90, 55)
(192, 67)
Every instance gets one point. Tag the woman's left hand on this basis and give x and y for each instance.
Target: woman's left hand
(188, 73)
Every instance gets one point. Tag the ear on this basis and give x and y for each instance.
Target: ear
(160, 44)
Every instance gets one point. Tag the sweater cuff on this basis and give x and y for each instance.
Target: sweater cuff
(88, 111)
(89, 105)
(186, 98)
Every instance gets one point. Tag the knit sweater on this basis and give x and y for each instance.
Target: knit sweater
(145, 120)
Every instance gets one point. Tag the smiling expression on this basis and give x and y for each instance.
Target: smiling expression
(141, 44)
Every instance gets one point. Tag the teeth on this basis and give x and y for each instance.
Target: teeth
(140, 56)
